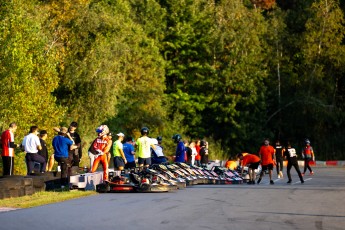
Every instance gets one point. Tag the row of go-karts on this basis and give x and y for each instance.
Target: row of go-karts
(166, 177)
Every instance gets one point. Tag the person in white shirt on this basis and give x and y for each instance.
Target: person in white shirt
(31, 144)
(194, 152)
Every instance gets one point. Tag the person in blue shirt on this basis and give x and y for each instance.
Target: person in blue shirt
(180, 149)
(62, 143)
(128, 149)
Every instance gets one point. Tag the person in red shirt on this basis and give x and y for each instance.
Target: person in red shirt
(268, 158)
(197, 156)
(8, 146)
(253, 162)
(308, 155)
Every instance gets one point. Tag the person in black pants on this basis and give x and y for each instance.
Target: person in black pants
(44, 151)
(279, 158)
(291, 156)
(62, 143)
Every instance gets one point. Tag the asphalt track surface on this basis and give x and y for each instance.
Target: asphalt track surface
(317, 204)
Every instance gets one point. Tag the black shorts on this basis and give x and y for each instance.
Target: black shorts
(254, 165)
(118, 162)
(144, 161)
(267, 167)
(130, 165)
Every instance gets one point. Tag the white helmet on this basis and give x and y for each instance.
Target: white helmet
(102, 130)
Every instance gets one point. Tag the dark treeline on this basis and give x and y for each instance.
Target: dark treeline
(233, 72)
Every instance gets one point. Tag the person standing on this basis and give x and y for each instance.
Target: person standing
(188, 153)
(308, 155)
(31, 145)
(194, 152)
(44, 151)
(62, 143)
(180, 153)
(119, 156)
(267, 156)
(8, 146)
(197, 156)
(204, 153)
(100, 150)
(75, 154)
(291, 156)
(279, 158)
(143, 146)
(129, 152)
(157, 153)
(252, 161)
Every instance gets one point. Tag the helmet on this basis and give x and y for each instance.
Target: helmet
(154, 141)
(159, 139)
(177, 137)
(307, 141)
(144, 131)
(102, 130)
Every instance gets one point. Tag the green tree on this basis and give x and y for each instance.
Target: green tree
(235, 113)
(27, 68)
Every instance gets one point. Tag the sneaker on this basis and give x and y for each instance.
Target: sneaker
(253, 182)
(281, 174)
(302, 181)
(289, 182)
(311, 173)
(249, 182)
(271, 182)
(259, 180)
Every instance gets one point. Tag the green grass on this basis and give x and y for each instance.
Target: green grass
(42, 198)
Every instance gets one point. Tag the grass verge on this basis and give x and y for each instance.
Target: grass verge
(42, 198)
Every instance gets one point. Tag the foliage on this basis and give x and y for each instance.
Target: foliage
(232, 72)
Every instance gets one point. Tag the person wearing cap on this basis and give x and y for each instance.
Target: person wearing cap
(128, 150)
(31, 145)
(62, 143)
(268, 159)
(44, 151)
(75, 154)
(252, 161)
(119, 156)
(308, 155)
(100, 148)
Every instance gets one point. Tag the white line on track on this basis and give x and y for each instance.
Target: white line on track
(298, 182)
(274, 181)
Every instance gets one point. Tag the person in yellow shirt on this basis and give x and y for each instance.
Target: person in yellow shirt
(119, 155)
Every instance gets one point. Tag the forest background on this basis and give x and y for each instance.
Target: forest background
(229, 71)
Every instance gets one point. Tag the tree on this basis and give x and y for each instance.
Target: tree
(27, 68)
